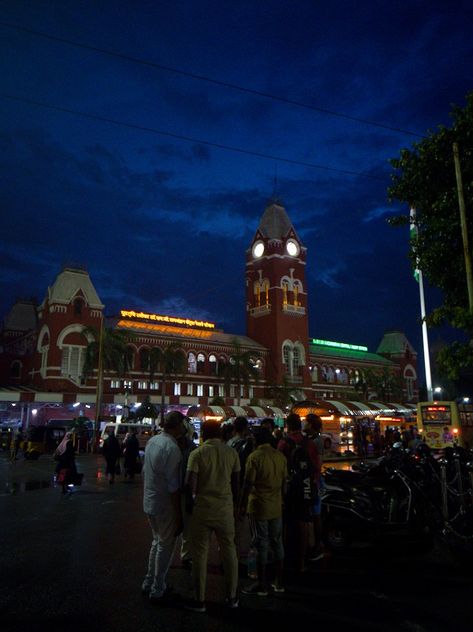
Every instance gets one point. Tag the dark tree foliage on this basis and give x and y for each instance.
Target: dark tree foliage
(424, 177)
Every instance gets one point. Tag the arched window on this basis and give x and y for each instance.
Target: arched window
(213, 364)
(78, 305)
(200, 363)
(296, 361)
(410, 377)
(257, 294)
(191, 363)
(314, 373)
(285, 287)
(286, 351)
(15, 369)
(144, 359)
(129, 358)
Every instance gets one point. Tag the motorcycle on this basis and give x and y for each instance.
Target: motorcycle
(382, 498)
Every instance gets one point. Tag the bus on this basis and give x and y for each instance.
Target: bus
(446, 424)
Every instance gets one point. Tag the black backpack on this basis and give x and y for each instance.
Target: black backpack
(301, 490)
(244, 448)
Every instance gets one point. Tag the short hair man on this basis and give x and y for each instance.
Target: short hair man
(299, 509)
(161, 502)
(263, 492)
(212, 484)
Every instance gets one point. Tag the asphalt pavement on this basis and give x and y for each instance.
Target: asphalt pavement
(77, 563)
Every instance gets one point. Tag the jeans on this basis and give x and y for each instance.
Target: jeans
(266, 533)
(164, 528)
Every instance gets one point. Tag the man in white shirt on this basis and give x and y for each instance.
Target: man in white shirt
(161, 502)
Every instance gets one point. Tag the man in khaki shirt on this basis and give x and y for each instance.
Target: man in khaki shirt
(212, 484)
(263, 491)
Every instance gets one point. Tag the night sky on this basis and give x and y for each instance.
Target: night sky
(162, 220)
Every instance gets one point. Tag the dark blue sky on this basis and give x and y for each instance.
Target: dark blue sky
(162, 223)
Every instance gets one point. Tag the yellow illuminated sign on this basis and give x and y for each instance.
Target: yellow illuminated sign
(171, 320)
(179, 331)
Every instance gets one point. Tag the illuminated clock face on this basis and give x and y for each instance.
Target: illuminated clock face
(292, 247)
(258, 249)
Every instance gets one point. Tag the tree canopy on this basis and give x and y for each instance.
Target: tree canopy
(424, 178)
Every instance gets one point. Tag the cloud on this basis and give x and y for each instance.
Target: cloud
(377, 213)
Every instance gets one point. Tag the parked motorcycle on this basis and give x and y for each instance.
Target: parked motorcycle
(403, 494)
(380, 499)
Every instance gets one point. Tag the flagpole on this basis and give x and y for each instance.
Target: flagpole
(425, 338)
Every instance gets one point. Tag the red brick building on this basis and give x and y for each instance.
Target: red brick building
(43, 346)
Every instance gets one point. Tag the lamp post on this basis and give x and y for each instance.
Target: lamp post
(99, 389)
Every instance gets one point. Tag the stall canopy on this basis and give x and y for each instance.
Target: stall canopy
(255, 412)
(206, 411)
(340, 406)
(274, 411)
(235, 411)
(383, 409)
(400, 408)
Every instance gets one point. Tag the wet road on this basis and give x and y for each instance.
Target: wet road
(77, 562)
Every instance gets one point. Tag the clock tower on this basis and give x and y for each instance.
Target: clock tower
(276, 297)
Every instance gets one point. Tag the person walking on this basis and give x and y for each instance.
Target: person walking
(162, 504)
(212, 484)
(112, 452)
(131, 452)
(66, 470)
(263, 491)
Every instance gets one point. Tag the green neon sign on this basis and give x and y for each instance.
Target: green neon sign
(338, 345)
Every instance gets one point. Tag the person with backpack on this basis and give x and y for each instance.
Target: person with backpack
(243, 443)
(312, 428)
(303, 464)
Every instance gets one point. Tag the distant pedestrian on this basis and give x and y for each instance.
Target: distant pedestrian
(162, 503)
(66, 470)
(112, 452)
(16, 443)
(131, 452)
(212, 485)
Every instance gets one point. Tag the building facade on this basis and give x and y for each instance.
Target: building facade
(44, 346)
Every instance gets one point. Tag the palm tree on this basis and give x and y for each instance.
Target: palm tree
(171, 361)
(283, 394)
(107, 351)
(116, 354)
(240, 369)
(147, 410)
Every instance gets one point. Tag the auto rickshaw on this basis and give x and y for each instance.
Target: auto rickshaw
(35, 445)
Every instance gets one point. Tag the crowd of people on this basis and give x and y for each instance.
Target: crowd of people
(237, 475)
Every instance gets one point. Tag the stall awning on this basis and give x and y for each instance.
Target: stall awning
(235, 411)
(340, 406)
(401, 409)
(255, 412)
(364, 409)
(383, 408)
(275, 411)
(206, 411)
